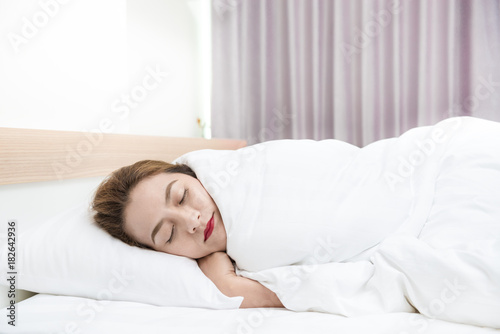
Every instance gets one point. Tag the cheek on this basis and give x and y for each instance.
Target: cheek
(188, 248)
(200, 191)
(200, 199)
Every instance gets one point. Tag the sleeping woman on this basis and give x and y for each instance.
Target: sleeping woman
(164, 207)
(407, 224)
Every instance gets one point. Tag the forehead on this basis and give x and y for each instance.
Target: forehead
(151, 183)
(155, 185)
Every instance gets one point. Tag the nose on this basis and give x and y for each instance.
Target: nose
(193, 222)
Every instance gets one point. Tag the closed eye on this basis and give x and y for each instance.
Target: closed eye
(183, 196)
(171, 235)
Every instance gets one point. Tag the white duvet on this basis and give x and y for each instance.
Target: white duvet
(402, 225)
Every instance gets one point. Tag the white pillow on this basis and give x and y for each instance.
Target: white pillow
(70, 255)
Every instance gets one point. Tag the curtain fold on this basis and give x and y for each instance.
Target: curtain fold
(357, 71)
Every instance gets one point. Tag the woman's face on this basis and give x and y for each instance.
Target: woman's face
(173, 213)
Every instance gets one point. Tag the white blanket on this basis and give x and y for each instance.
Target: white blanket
(403, 224)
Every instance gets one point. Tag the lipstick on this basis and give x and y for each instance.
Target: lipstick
(209, 228)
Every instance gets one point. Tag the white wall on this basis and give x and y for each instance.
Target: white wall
(68, 65)
(172, 37)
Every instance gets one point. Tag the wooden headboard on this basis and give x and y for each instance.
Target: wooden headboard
(28, 155)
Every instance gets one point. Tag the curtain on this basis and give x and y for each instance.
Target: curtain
(357, 71)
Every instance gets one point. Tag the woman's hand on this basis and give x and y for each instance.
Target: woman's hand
(219, 269)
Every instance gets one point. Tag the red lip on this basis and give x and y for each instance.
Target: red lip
(210, 228)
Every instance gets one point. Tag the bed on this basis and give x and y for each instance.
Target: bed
(82, 287)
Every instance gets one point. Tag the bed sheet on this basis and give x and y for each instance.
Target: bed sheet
(63, 314)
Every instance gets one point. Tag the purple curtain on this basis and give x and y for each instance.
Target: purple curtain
(357, 71)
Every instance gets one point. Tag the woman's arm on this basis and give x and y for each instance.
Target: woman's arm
(219, 269)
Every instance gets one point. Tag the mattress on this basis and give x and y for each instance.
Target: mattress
(45, 313)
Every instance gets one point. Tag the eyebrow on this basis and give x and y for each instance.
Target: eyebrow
(167, 199)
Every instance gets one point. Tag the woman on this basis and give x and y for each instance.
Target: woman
(161, 206)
